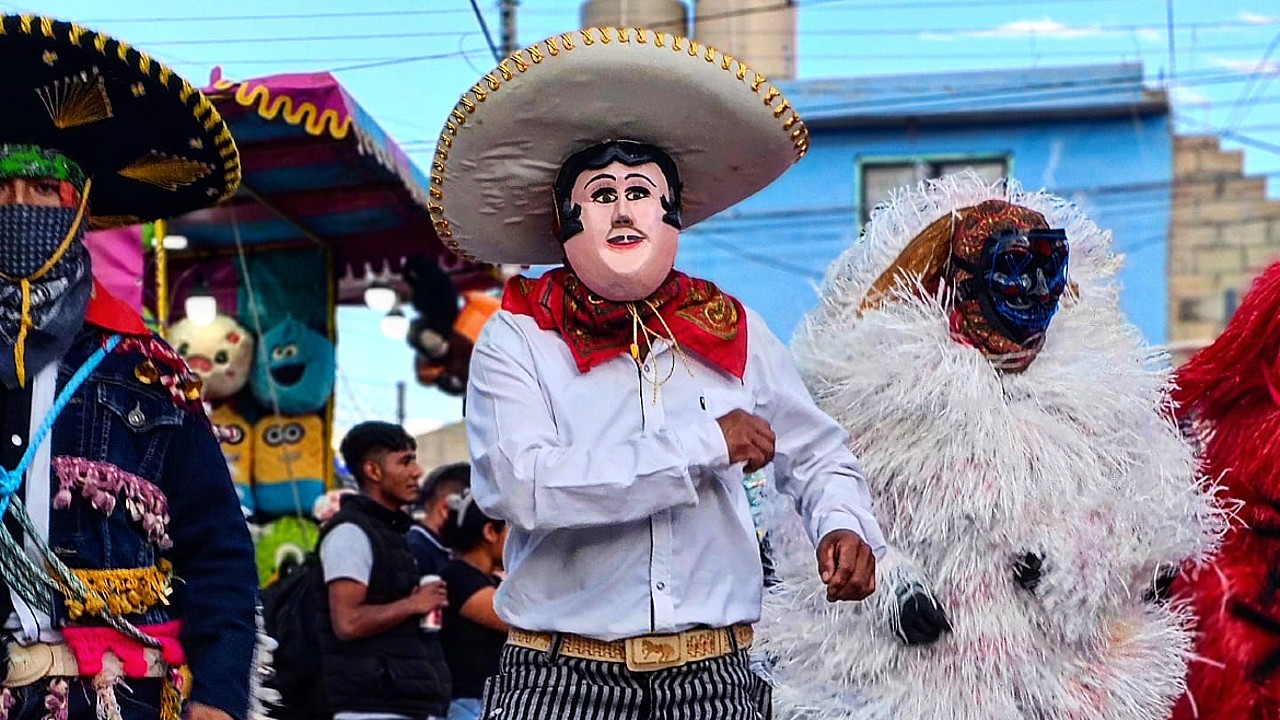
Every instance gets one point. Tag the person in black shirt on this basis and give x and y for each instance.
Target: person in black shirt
(431, 511)
(473, 634)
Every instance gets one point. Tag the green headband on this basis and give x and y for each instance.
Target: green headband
(32, 162)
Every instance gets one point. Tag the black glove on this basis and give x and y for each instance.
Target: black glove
(1027, 569)
(1162, 588)
(922, 620)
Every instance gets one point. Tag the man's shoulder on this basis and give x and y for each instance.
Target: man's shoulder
(343, 530)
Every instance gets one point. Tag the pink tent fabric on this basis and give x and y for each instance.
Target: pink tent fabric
(118, 262)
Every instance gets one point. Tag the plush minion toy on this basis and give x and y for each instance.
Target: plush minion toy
(288, 464)
(236, 436)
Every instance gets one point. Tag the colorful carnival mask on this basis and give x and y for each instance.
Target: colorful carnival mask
(621, 222)
(220, 353)
(1009, 270)
(295, 369)
(45, 281)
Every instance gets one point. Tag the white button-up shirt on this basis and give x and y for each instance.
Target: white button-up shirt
(626, 516)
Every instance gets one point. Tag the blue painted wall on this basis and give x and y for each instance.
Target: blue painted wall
(773, 249)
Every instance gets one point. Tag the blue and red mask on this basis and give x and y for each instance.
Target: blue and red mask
(1009, 270)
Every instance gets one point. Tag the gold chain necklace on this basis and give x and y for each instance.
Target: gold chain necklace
(637, 327)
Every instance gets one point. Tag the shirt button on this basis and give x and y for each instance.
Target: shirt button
(16, 439)
(661, 585)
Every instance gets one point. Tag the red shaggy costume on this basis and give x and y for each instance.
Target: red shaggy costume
(1230, 392)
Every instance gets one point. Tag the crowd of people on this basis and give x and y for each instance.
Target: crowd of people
(1058, 531)
(409, 569)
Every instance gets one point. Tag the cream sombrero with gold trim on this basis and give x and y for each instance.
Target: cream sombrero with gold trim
(152, 143)
(730, 132)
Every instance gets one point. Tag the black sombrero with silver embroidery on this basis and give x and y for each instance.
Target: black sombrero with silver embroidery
(153, 144)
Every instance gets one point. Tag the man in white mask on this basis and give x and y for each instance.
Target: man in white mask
(614, 402)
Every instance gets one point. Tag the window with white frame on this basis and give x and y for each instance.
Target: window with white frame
(880, 178)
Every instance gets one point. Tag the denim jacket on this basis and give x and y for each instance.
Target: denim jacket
(139, 481)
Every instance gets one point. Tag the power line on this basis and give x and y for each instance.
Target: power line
(840, 32)
(1243, 103)
(484, 27)
(291, 16)
(924, 53)
(307, 38)
(1069, 88)
(400, 61)
(920, 55)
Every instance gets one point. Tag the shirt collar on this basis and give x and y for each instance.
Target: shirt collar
(108, 312)
(430, 535)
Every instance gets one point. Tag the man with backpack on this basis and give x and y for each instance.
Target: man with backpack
(377, 662)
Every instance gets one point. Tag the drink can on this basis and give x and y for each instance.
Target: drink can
(432, 621)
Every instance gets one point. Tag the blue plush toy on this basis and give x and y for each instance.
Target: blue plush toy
(299, 363)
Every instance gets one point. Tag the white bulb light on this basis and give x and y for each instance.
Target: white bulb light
(380, 297)
(395, 325)
(202, 308)
(176, 242)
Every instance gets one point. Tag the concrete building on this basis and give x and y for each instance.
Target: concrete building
(1095, 134)
(1225, 231)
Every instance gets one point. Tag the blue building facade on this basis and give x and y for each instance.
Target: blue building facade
(1094, 134)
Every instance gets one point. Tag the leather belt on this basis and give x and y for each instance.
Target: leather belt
(30, 663)
(645, 653)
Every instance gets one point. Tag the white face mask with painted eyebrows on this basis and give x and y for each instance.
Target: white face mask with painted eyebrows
(625, 250)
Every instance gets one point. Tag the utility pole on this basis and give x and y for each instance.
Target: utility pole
(508, 14)
(400, 391)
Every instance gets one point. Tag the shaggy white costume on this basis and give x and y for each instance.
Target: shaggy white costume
(1073, 459)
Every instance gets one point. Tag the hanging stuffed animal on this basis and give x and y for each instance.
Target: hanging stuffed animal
(220, 353)
(295, 369)
(288, 464)
(443, 336)
(236, 436)
(284, 542)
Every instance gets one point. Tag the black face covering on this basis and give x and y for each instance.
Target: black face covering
(29, 237)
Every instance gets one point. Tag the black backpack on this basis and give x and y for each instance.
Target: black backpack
(291, 616)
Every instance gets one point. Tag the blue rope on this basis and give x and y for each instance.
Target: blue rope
(12, 479)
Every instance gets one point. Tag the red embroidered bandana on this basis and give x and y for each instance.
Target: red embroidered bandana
(701, 317)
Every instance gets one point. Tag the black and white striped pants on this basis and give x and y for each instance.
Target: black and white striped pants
(537, 685)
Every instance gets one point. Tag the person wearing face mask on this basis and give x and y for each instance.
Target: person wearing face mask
(615, 402)
(129, 574)
(1037, 492)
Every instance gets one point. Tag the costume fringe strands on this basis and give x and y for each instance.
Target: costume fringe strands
(1075, 458)
(1229, 396)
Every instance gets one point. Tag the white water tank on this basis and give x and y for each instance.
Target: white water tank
(761, 32)
(669, 16)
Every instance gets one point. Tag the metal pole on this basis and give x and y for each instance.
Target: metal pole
(400, 391)
(508, 13)
(160, 231)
